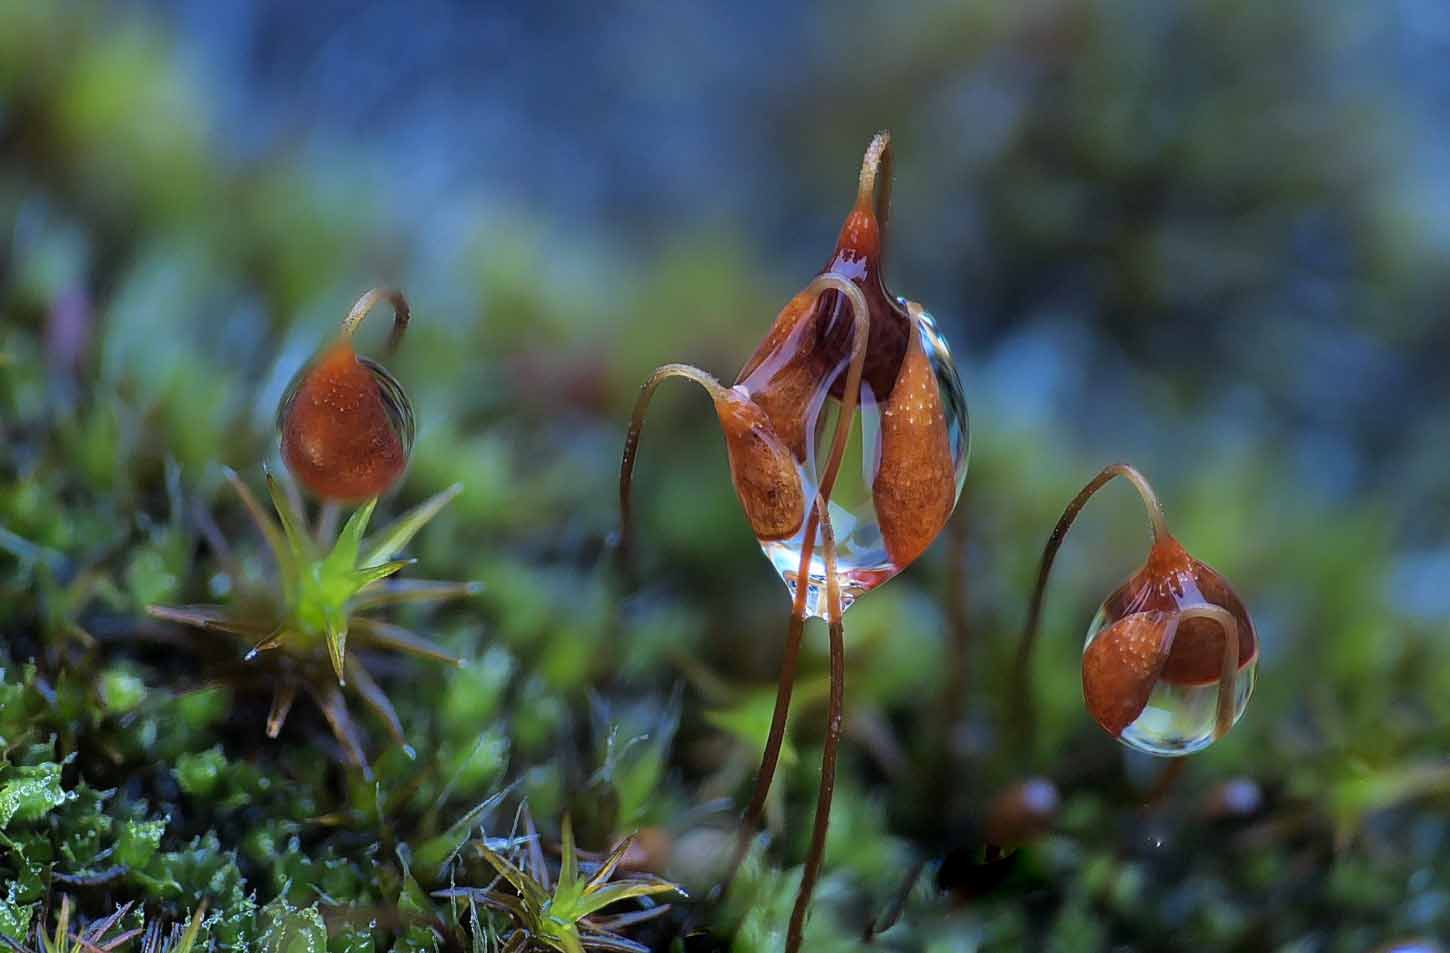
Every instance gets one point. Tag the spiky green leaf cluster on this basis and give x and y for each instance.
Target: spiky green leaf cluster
(563, 914)
(322, 590)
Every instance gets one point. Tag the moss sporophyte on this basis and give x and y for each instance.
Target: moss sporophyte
(845, 366)
(347, 430)
(1168, 663)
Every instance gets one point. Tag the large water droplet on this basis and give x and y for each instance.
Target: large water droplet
(904, 465)
(1180, 717)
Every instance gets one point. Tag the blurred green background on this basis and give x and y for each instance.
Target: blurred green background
(1207, 238)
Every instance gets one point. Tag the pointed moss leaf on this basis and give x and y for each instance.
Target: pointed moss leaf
(366, 577)
(299, 543)
(611, 943)
(413, 900)
(193, 930)
(569, 886)
(389, 636)
(402, 591)
(566, 936)
(434, 853)
(344, 552)
(392, 538)
(289, 930)
(527, 886)
(30, 793)
(596, 900)
(337, 643)
(286, 565)
(606, 869)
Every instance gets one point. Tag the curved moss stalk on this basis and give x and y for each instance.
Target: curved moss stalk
(402, 313)
(1228, 675)
(819, 518)
(1024, 715)
(661, 374)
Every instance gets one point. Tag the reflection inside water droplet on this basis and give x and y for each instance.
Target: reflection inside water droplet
(1179, 718)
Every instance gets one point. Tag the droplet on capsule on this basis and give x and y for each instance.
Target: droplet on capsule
(347, 426)
(1156, 662)
(906, 444)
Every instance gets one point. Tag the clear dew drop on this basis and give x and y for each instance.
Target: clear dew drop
(1178, 719)
(862, 561)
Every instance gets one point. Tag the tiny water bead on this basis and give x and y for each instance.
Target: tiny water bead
(1158, 671)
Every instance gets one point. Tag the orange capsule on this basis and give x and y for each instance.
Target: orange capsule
(1170, 657)
(848, 363)
(764, 474)
(347, 425)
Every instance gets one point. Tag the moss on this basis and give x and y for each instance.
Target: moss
(134, 762)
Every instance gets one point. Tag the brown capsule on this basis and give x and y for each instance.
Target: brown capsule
(1121, 666)
(782, 377)
(765, 475)
(916, 485)
(846, 348)
(1160, 671)
(1172, 580)
(811, 342)
(347, 426)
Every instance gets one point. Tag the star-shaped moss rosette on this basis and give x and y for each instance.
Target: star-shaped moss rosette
(305, 622)
(563, 916)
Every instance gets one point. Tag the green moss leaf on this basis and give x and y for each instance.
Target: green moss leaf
(15, 916)
(200, 774)
(137, 842)
(121, 691)
(290, 930)
(31, 793)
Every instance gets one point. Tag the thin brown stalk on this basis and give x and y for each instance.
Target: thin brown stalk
(818, 520)
(1228, 675)
(631, 450)
(815, 854)
(1024, 714)
(401, 314)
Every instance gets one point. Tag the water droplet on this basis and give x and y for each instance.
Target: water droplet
(903, 469)
(1179, 717)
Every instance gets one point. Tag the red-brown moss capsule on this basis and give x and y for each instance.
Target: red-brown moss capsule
(847, 356)
(1170, 657)
(347, 424)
